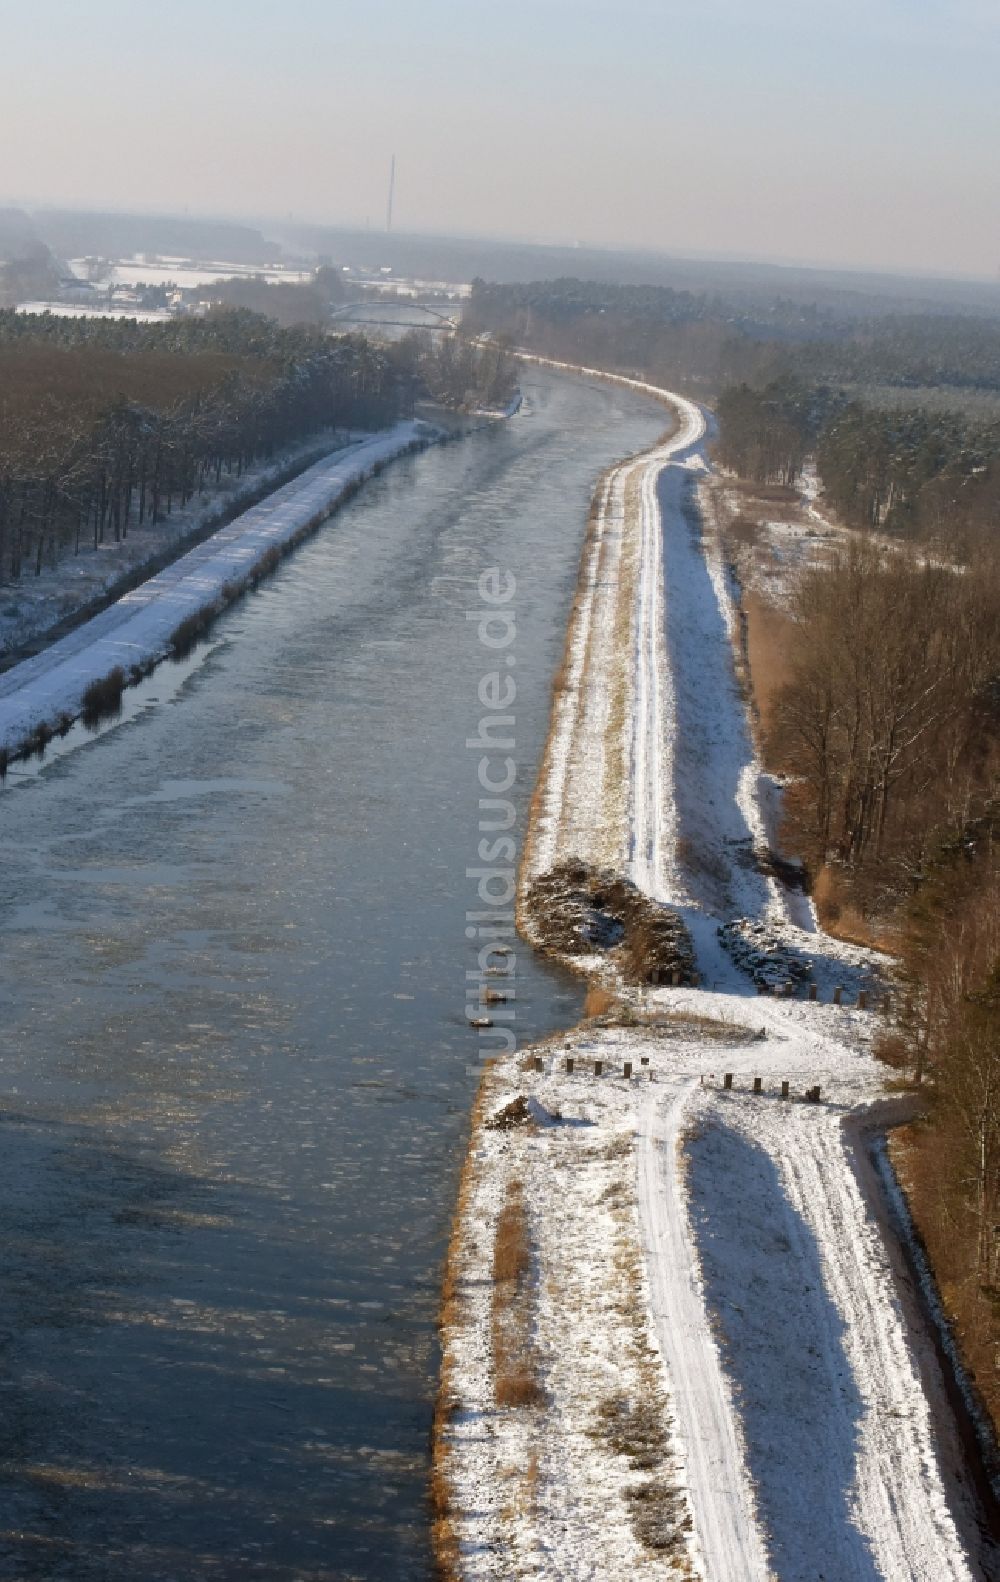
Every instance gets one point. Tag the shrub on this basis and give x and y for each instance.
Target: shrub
(188, 631)
(517, 1386)
(104, 696)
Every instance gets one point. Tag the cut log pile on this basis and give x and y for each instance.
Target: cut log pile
(774, 966)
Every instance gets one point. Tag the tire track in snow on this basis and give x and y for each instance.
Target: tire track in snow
(652, 821)
(647, 751)
(898, 1491)
(900, 1503)
(725, 1524)
(717, 1475)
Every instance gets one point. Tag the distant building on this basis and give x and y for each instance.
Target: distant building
(72, 289)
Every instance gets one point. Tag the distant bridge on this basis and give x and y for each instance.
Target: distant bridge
(347, 313)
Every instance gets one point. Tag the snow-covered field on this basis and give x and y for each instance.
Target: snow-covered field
(185, 273)
(49, 688)
(714, 1255)
(75, 310)
(773, 542)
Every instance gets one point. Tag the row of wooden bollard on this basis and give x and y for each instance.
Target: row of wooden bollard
(598, 1066)
(838, 996)
(812, 1094)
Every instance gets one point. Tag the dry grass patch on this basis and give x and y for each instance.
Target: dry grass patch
(633, 1429)
(636, 1427)
(746, 489)
(444, 1517)
(840, 915)
(660, 1022)
(743, 533)
(768, 632)
(614, 779)
(515, 1365)
(680, 1024)
(599, 1002)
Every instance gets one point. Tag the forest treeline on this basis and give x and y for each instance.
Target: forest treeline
(888, 727)
(949, 1041)
(913, 472)
(106, 425)
(703, 342)
(889, 719)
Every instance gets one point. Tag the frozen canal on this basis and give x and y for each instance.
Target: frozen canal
(235, 1070)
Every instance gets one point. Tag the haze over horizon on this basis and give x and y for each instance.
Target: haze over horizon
(860, 139)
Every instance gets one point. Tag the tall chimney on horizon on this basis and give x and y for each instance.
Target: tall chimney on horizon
(392, 193)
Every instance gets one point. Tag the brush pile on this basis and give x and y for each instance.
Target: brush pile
(514, 1114)
(575, 910)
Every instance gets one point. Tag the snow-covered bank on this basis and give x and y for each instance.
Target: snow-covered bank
(48, 690)
(848, 1459)
(45, 598)
(588, 1484)
(803, 1427)
(582, 804)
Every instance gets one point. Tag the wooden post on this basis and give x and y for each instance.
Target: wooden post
(727, 1080)
(784, 1090)
(598, 1067)
(538, 1063)
(758, 1083)
(837, 995)
(569, 1064)
(813, 991)
(862, 1000)
(628, 1068)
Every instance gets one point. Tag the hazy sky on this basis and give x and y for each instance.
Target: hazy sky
(841, 131)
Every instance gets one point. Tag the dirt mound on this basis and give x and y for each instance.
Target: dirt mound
(582, 911)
